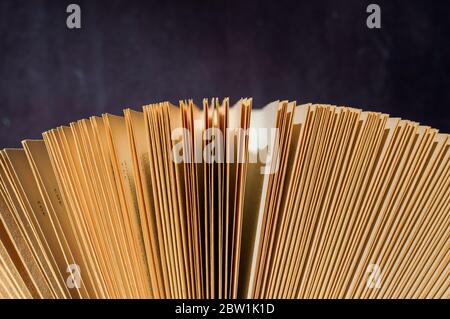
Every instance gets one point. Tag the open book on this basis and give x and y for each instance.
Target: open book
(219, 201)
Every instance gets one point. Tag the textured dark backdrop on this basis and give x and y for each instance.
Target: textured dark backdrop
(129, 53)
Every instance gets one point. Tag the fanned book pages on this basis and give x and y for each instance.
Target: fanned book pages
(221, 201)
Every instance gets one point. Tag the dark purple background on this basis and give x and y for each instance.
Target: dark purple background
(129, 53)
